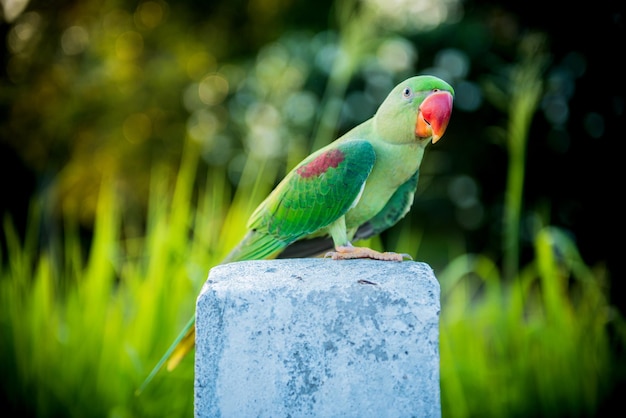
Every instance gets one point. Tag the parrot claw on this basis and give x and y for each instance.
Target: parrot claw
(349, 252)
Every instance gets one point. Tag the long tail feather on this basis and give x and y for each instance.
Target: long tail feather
(254, 246)
(183, 347)
(190, 327)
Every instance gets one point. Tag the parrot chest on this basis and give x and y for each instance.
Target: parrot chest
(395, 164)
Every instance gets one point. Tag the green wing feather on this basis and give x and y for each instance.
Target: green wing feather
(396, 208)
(255, 246)
(315, 194)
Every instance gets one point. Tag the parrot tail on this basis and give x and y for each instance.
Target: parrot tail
(255, 246)
(183, 343)
(183, 347)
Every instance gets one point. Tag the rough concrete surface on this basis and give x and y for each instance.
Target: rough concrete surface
(318, 338)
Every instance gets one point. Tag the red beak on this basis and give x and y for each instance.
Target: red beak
(433, 115)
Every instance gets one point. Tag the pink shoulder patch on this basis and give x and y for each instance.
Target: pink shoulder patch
(322, 163)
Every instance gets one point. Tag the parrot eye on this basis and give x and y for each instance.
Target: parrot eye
(407, 92)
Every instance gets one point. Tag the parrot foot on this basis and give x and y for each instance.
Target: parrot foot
(349, 252)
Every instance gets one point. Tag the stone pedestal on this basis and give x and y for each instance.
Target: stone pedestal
(318, 338)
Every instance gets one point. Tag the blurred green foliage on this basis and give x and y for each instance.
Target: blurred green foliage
(153, 128)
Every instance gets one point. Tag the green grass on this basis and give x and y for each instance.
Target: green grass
(80, 331)
(539, 346)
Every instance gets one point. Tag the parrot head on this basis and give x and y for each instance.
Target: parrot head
(418, 108)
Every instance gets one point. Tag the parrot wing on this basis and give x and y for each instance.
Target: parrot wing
(395, 209)
(318, 191)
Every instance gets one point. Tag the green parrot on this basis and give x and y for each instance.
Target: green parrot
(354, 188)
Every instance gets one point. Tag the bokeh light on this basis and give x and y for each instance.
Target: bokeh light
(463, 192)
(594, 124)
(74, 40)
(414, 14)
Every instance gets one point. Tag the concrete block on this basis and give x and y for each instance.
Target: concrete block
(318, 338)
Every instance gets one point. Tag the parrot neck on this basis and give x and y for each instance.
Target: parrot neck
(393, 126)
